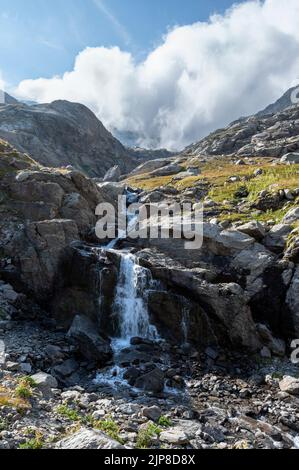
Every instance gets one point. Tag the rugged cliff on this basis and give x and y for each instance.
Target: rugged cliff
(61, 134)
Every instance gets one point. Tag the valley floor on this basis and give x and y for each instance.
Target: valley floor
(229, 401)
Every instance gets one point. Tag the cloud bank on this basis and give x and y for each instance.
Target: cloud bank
(201, 77)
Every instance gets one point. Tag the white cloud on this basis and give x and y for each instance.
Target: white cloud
(201, 77)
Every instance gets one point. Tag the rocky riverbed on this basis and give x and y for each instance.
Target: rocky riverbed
(215, 399)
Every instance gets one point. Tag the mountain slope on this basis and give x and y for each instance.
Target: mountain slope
(285, 101)
(5, 98)
(264, 136)
(61, 134)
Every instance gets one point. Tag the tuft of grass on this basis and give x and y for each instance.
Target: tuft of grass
(25, 387)
(35, 443)
(145, 436)
(164, 421)
(28, 381)
(23, 391)
(9, 399)
(109, 427)
(68, 413)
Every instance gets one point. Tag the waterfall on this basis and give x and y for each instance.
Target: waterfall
(130, 307)
(185, 324)
(130, 303)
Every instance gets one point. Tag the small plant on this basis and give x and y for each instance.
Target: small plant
(110, 427)
(69, 413)
(29, 381)
(145, 436)
(23, 391)
(35, 443)
(3, 425)
(164, 421)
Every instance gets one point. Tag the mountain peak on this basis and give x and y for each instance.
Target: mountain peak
(285, 101)
(5, 98)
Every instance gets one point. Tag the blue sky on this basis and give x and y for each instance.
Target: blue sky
(156, 69)
(42, 37)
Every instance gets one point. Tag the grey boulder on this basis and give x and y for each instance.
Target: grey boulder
(88, 439)
(92, 346)
(290, 158)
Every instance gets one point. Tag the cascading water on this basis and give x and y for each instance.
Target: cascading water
(131, 300)
(131, 310)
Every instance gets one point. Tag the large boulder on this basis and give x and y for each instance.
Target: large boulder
(88, 439)
(289, 385)
(276, 238)
(45, 383)
(254, 229)
(251, 263)
(291, 216)
(152, 381)
(225, 304)
(168, 170)
(290, 158)
(84, 334)
(150, 166)
(111, 191)
(38, 252)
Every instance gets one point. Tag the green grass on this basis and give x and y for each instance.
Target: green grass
(28, 381)
(164, 421)
(145, 436)
(33, 444)
(109, 427)
(272, 179)
(68, 413)
(23, 391)
(25, 387)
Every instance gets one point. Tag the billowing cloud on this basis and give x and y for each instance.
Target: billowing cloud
(201, 77)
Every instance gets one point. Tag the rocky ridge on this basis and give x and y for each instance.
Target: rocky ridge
(272, 133)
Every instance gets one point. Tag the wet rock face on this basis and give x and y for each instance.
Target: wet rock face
(269, 304)
(180, 320)
(85, 285)
(292, 301)
(224, 310)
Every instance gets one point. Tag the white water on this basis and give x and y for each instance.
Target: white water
(131, 301)
(131, 219)
(130, 307)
